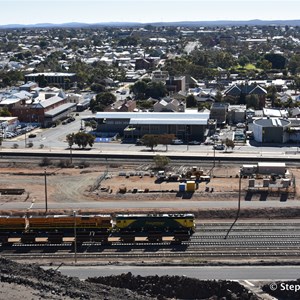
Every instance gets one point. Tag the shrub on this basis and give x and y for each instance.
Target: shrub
(45, 162)
(64, 163)
(84, 164)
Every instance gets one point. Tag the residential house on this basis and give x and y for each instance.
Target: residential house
(218, 112)
(122, 106)
(169, 105)
(236, 114)
(239, 93)
(175, 84)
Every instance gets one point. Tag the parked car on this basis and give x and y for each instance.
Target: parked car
(215, 137)
(219, 147)
(177, 142)
(209, 142)
(194, 143)
(240, 125)
(32, 135)
(139, 142)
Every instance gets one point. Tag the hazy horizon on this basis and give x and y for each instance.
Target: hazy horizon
(144, 11)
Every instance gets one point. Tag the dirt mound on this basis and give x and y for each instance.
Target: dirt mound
(177, 287)
(50, 284)
(29, 281)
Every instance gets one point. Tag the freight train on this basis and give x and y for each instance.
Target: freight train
(97, 228)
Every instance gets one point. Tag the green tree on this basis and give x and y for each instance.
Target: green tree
(272, 94)
(191, 101)
(219, 96)
(161, 161)
(252, 101)
(139, 89)
(102, 100)
(229, 143)
(97, 88)
(278, 61)
(150, 140)
(243, 60)
(83, 139)
(70, 139)
(41, 81)
(166, 139)
(156, 90)
(294, 64)
(4, 112)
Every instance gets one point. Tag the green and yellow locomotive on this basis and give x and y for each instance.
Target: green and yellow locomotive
(97, 228)
(156, 226)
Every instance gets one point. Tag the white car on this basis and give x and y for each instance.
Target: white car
(177, 142)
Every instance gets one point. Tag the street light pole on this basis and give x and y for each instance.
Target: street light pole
(75, 237)
(239, 205)
(214, 153)
(46, 198)
(71, 155)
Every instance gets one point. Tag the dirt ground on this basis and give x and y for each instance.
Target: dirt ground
(101, 183)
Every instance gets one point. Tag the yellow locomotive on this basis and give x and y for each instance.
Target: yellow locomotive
(97, 228)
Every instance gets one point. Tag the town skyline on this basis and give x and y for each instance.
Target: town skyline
(144, 11)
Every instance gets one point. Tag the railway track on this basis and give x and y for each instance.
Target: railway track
(275, 240)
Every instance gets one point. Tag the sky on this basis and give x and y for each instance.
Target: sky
(144, 11)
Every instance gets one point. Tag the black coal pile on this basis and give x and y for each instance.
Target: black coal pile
(287, 290)
(50, 284)
(177, 287)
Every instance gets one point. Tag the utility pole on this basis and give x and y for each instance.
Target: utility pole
(75, 237)
(46, 198)
(71, 155)
(239, 205)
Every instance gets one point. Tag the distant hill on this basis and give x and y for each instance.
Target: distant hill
(135, 24)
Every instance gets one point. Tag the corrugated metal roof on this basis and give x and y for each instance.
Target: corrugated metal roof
(272, 122)
(10, 101)
(48, 102)
(154, 115)
(59, 109)
(134, 121)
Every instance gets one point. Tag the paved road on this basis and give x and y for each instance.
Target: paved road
(181, 204)
(204, 273)
(54, 139)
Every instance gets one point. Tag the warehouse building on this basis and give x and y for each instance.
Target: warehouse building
(190, 125)
(271, 130)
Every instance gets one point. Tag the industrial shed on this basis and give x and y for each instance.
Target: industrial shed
(185, 125)
(271, 130)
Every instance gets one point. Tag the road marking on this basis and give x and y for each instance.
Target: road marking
(249, 283)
